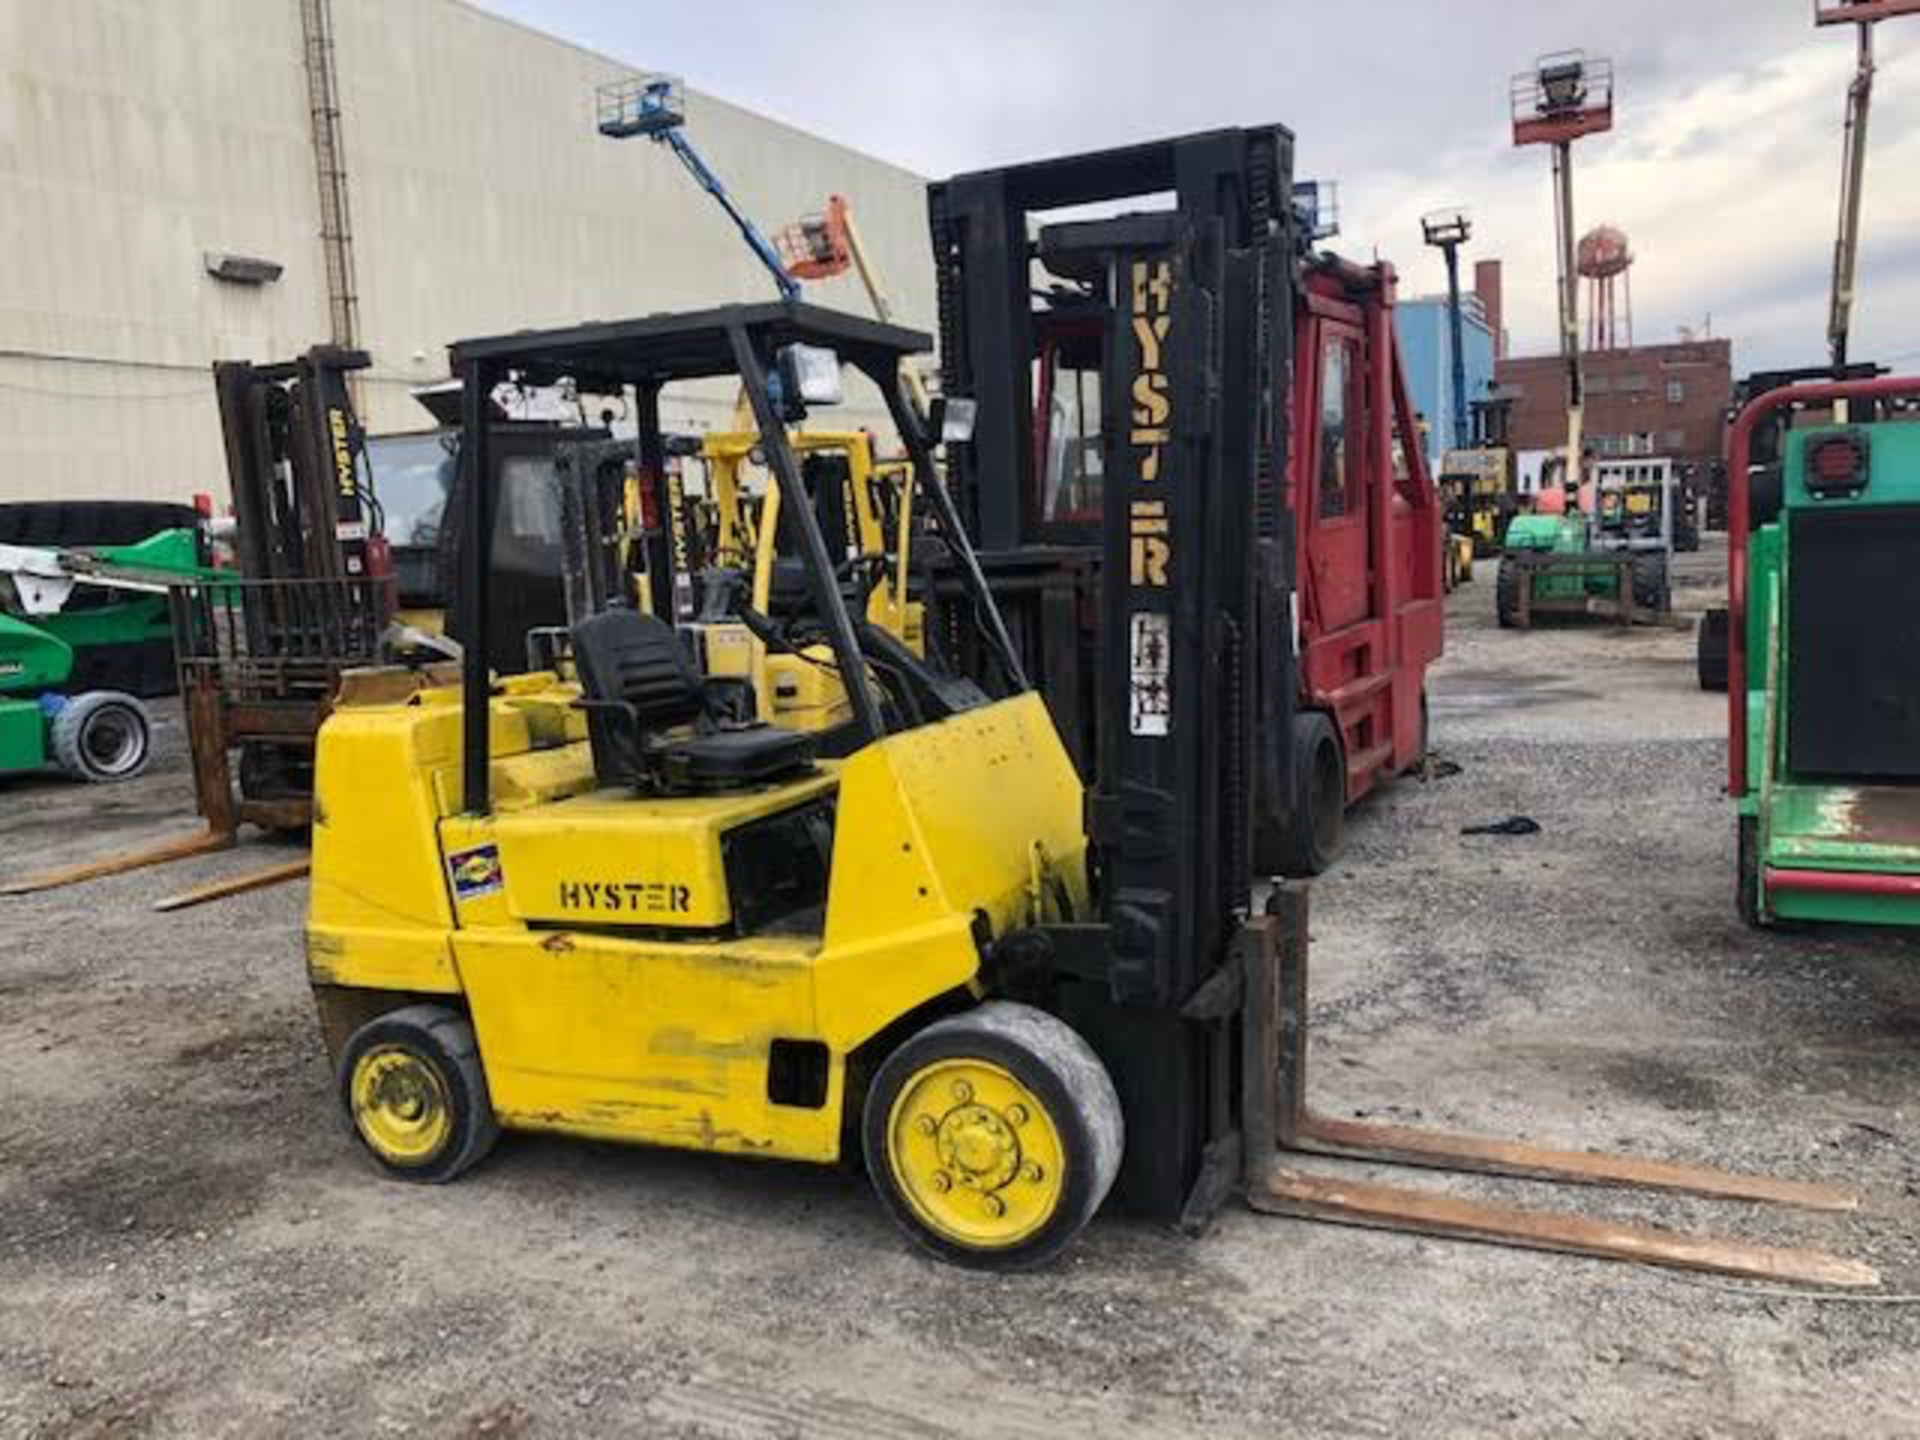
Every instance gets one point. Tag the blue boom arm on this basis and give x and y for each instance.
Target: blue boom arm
(710, 182)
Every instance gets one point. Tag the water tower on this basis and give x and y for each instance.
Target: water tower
(1606, 264)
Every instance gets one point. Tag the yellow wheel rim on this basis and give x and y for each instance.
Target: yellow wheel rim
(400, 1105)
(976, 1154)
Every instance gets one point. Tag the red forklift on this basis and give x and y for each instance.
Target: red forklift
(1350, 548)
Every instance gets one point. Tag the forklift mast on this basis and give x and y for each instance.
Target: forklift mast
(1195, 306)
(295, 463)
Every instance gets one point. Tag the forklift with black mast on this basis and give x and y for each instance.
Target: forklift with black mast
(599, 900)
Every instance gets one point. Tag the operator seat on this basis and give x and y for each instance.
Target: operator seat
(653, 723)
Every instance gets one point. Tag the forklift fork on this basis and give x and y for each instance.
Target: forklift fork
(1277, 1122)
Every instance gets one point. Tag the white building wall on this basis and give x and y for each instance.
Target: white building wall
(137, 134)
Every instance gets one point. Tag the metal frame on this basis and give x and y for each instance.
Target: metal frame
(1861, 12)
(647, 354)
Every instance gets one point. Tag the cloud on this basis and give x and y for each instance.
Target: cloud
(1723, 167)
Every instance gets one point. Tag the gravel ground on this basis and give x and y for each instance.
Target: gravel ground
(188, 1244)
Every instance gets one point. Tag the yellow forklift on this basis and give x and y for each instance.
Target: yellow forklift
(864, 508)
(607, 899)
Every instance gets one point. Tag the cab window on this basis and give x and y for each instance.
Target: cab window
(1073, 475)
(1338, 427)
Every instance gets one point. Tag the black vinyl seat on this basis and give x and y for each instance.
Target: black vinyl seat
(654, 724)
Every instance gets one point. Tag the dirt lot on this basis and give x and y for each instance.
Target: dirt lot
(188, 1244)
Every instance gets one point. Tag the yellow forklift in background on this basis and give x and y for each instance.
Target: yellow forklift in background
(727, 540)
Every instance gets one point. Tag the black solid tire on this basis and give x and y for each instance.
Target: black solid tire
(1506, 594)
(1051, 1060)
(1651, 587)
(1313, 842)
(100, 718)
(445, 1039)
(1710, 651)
(271, 772)
(71, 524)
(1747, 882)
(1766, 494)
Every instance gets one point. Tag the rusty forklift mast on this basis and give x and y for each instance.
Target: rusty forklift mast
(261, 652)
(1196, 1005)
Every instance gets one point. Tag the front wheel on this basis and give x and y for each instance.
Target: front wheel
(102, 736)
(992, 1137)
(1710, 651)
(1652, 589)
(1747, 882)
(413, 1091)
(1311, 840)
(1506, 594)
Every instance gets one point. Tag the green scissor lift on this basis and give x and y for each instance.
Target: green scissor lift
(1824, 657)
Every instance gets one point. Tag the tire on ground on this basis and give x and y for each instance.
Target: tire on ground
(1312, 843)
(1747, 882)
(1506, 594)
(1047, 1065)
(1652, 588)
(1710, 650)
(102, 736)
(412, 1090)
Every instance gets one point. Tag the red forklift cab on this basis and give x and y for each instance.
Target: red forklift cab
(1367, 520)
(1367, 524)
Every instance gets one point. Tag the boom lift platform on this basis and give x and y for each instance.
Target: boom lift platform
(600, 900)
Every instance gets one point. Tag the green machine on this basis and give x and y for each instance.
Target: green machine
(47, 634)
(1823, 655)
(1610, 559)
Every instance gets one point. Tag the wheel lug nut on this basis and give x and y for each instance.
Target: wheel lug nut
(926, 1125)
(942, 1181)
(1034, 1173)
(962, 1091)
(1016, 1114)
(994, 1206)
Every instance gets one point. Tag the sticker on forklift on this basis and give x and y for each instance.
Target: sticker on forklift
(1150, 706)
(475, 872)
(350, 530)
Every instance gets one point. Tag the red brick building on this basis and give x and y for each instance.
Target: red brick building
(1667, 400)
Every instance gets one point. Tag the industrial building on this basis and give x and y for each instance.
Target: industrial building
(1420, 325)
(1667, 400)
(241, 179)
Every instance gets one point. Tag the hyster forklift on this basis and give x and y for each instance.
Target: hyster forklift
(1823, 710)
(1348, 525)
(605, 899)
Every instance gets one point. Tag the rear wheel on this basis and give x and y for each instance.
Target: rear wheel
(1312, 842)
(1747, 883)
(1506, 594)
(1651, 587)
(102, 736)
(412, 1089)
(1710, 650)
(992, 1137)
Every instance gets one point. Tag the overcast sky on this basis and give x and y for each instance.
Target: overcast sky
(1723, 167)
